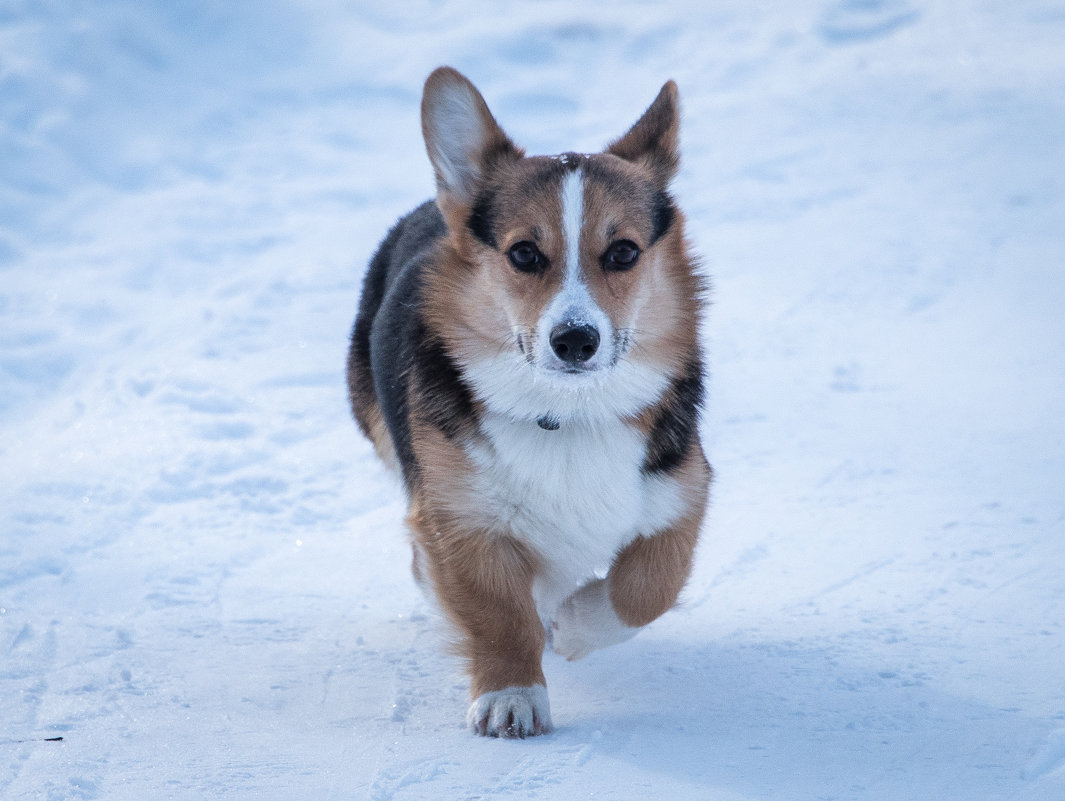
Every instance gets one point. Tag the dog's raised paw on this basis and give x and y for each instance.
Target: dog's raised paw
(586, 621)
(512, 712)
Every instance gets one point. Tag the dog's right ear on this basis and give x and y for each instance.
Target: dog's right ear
(464, 141)
(652, 141)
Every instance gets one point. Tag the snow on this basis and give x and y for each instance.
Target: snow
(204, 584)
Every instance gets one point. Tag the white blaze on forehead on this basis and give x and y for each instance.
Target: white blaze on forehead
(572, 220)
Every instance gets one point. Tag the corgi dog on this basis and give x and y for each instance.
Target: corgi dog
(526, 356)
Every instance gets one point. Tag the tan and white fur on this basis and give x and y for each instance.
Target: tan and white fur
(526, 355)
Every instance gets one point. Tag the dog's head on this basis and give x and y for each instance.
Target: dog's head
(573, 267)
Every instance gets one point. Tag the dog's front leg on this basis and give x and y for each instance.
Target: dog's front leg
(644, 582)
(484, 583)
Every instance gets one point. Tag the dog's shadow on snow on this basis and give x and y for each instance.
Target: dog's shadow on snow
(754, 716)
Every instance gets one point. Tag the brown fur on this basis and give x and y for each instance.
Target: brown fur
(649, 573)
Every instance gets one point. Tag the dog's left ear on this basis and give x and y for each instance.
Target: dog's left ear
(652, 141)
(462, 137)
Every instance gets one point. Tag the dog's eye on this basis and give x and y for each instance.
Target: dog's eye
(621, 255)
(525, 256)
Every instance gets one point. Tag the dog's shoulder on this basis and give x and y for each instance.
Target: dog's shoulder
(408, 246)
(411, 367)
(404, 251)
(392, 295)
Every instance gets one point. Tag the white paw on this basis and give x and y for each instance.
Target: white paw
(513, 712)
(586, 621)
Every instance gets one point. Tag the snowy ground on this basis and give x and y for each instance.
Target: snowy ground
(203, 576)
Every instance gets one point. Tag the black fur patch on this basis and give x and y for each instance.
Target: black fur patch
(360, 377)
(444, 400)
(664, 212)
(482, 219)
(676, 424)
(389, 310)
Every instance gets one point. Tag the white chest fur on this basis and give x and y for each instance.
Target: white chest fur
(576, 496)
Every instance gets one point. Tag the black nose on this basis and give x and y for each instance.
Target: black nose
(574, 344)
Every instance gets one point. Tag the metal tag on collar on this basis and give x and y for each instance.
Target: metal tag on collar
(548, 422)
